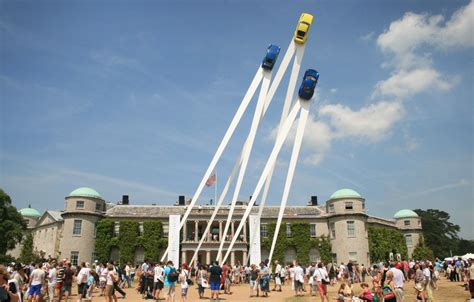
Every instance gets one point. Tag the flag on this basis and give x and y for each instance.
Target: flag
(211, 180)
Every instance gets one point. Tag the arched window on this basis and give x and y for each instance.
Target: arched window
(290, 255)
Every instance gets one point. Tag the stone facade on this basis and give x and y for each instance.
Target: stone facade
(343, 218)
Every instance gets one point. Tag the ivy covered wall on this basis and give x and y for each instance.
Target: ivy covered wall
(383, 241)
(129, 239)
(300, 240)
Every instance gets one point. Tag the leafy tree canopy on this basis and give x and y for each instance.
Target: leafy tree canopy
(441, 235)
(12, 225)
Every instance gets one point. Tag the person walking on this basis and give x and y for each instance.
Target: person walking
(277, 275)
(158, 280)
(215, 273)
(37, 280)
(52, 278)
(201, 279)
(111, 279)
(183, 278)
(298, 279)
(254, 281)
(171, 276)
(264, 279)
(322, 280)
(398, 279)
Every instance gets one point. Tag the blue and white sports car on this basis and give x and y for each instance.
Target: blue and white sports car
(271, 57)
(310, 80)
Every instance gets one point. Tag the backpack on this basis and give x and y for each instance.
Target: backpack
(387, 293)
(173, 275)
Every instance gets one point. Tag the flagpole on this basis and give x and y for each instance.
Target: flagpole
(215, 189)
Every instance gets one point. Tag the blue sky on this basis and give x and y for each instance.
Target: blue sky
(133, 97)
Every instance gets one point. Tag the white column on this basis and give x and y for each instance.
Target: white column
(220, 230)
(245, 233)
(233, 228)
(208, 236)
(183, 257)
(232, 258)
(208, 257)
(244, 257)
(196, 228)
(185, 230)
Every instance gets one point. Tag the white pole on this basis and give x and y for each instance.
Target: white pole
(270, 162)
(291, 171)
(246, 153)
(225, 140)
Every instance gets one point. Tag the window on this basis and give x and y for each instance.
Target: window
(77, 227)
(165, 230)
(363, 206)
(406, 222)
(331, 208)
(312, 229)
(409, 240)
(74, 258)
(349, 206)
(350, 229)
(288, 230)
(116, 228)
(140, 228)
(333, 230)
(98, 206)
(80, 204)
(263, 230)
(353, 256)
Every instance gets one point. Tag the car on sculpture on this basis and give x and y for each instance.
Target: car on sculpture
(270, 58)
(302, 29)
(310, 79)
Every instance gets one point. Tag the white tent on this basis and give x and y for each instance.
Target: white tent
(468, 256)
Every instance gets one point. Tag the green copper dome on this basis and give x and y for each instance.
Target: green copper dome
(85, 192)
(406, 213)
(345, 193)
(29, 212)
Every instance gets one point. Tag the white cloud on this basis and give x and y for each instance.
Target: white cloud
(407, 35)
(404, 83)
(372, 122)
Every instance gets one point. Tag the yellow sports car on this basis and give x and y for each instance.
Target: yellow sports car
(301, 32)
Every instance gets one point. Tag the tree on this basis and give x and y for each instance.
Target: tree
(28, 254)
(422, 251)
(465, 246)
(441, 236)
(12, 226)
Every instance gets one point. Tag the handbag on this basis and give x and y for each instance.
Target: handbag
(204, 283)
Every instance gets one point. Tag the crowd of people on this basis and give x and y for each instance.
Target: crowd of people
(384, 281)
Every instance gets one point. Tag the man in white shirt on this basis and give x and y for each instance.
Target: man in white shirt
(82, 280)
(36, 282)
(398, 279)
(158, 278)
(277, 276)
(51, 281)
(299, 279)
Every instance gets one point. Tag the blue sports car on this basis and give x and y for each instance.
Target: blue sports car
(271, 56)
(310, 80)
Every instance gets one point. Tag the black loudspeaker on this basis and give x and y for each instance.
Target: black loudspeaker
(181, 201)
(314, 200)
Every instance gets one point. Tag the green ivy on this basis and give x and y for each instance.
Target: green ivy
(383, 241)
(300, 240)
(129, 239)
(422, 251)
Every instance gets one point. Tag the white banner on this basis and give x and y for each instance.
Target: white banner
(255, 253)
(173, 240)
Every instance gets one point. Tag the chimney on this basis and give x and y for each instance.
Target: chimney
(314, 200)
(125, 200)
(181, 200)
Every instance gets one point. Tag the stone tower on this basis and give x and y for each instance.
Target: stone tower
(347, 224)
(409, 223)
(83, 208)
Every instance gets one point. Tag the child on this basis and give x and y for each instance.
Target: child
(91, 284)
(365, 295)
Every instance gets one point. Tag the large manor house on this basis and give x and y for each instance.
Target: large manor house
(70, 233)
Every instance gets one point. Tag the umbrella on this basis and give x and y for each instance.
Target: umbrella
(448, 259)
(468, 256)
